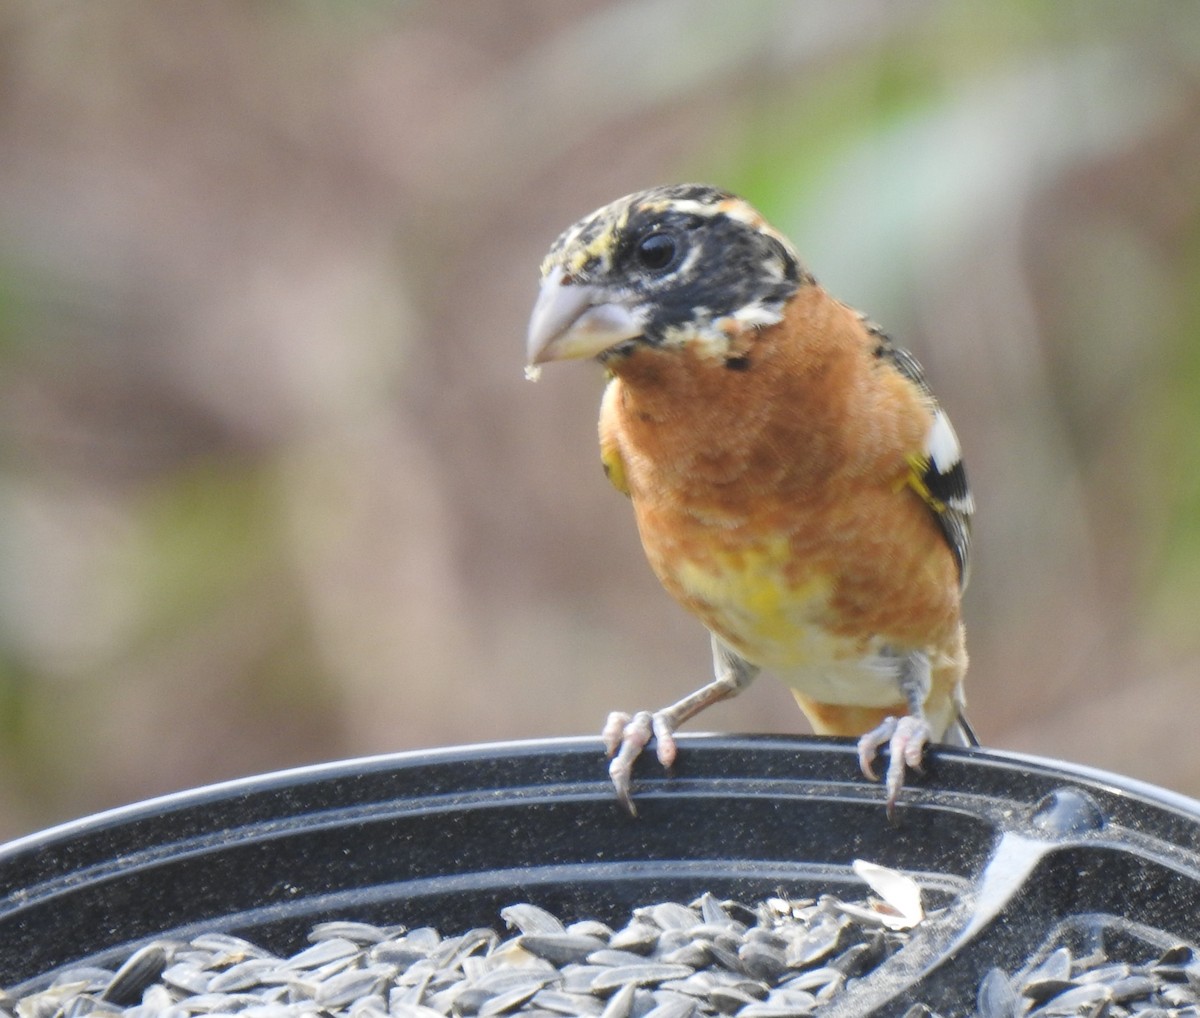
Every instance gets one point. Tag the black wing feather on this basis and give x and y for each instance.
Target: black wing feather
(943, 486)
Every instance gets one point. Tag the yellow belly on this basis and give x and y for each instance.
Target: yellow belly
(775, 622)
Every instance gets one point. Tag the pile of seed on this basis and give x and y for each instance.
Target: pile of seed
(1095, 985)
(779, 958)
(776, 959)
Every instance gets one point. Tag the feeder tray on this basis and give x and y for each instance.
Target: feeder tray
(1016, 855)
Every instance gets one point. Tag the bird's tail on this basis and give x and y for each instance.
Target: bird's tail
(960, 732)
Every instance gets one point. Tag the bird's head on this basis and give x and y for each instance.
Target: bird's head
(675, 266)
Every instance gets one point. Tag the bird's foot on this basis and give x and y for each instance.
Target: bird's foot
(626, 735)
(906, 738)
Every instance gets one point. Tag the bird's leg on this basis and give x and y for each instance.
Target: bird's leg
(905, 737)
(625, 735)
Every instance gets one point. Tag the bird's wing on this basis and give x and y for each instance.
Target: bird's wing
(936, 473)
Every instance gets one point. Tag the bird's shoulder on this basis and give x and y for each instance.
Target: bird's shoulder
(611, 457)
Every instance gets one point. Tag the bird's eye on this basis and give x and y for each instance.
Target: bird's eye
(656, 251)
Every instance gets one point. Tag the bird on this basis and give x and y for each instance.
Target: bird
(795, 483)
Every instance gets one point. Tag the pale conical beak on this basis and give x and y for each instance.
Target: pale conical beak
(576, 320)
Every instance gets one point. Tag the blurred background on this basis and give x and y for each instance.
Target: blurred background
(274, 491)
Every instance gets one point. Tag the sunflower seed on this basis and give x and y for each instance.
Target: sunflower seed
(817, 943)
(531, 919)
(639, 937)
(729, 999)
(574, 1004)
(225, 949)
(139, 971)
(762, 960)
(694, 955)
(560, 948)
(675, 1006)
(245, 975)
(643, 974)
(769, 1010)
(502, 1003)
(1075, 1001)
(670, 915)
(608, 958)
(351, 985)
(79, 1007)
(711, 910)
(1057, 965)
(413, 1011)
(87, 975)
(324, 952)
(1041, 990)
(620, 1004)
(997, 998)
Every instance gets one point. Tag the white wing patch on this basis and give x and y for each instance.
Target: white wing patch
(944, 452)
(942, 443)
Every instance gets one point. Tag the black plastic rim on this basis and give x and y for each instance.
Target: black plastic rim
(1024, 853)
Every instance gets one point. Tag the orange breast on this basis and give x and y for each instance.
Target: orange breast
(771, 501)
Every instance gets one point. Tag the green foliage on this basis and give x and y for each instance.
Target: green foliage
(201, 537)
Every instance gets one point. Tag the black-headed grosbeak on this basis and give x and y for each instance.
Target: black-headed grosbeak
(796, 485)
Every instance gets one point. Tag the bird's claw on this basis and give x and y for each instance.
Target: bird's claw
(906, 738)
(625, 736)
